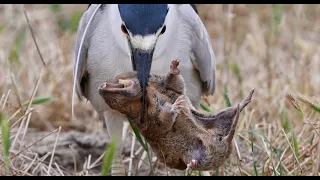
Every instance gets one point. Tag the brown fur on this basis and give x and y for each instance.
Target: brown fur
(175, 130)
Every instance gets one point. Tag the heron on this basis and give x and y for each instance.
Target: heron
(117, 38)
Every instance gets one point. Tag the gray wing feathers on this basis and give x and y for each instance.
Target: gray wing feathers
(83, 54)
(80, 70)
(205, 60)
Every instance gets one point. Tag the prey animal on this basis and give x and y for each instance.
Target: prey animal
(181, 137)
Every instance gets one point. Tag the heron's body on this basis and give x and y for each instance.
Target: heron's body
(105, 54)
(107, 60)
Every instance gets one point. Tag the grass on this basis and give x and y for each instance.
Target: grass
(39, 100)
(14, 55)
(255, 172)
(107, 160)
(143, 143)
(272, 48)
(5, 142)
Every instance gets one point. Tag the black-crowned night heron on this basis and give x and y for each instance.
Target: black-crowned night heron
(117, 38)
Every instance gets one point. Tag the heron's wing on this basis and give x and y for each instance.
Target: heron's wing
(81, 47)
(205, 60)
(194, 8)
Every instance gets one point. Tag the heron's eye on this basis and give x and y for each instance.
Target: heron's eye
(124, 29)
(163, 29)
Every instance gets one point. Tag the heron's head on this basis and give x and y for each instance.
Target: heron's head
(143, 24)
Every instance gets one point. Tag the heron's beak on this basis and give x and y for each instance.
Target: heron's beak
(141, 62)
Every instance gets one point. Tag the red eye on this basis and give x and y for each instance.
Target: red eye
(163, 30)
(124, 29)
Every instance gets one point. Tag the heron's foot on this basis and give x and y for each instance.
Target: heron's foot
(174, 67)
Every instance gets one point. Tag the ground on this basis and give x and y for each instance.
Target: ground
(272, 48)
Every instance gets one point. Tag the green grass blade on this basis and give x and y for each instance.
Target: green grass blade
(75, 19)
(316, 107)
(137, 134)
(225, 95)
(262, 171)
(255, 172)
(150, 159)
(271, 154)
(70, 24)
(280, 170)
(228, 163)
(312, 105)
(6, 141)
(205, 106)
(14, 55)
(55, 7)
(285, 121)
(236, 71)
(274, 170)
(142, 143)
(272, 150)
(2, 27)
(39, 100)
(217, 172)
(277, 12)
(300, 115)
(295, 143)
(310, 139)
(108, 157)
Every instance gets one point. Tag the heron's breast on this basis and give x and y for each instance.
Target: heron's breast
(107, 68)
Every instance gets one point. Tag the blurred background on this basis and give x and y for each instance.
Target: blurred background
(272, 48)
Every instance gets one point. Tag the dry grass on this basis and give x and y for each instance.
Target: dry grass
(272, 48)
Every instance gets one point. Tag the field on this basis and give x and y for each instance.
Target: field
(272, 48)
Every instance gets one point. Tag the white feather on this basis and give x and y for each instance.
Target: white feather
(144, 42)
(77, 61)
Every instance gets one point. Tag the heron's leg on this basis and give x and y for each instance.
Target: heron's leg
(114, 121)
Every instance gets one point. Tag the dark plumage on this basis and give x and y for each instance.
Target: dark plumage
(192, 5)
(143, 19)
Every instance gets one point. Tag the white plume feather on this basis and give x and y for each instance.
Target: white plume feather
(77, 61)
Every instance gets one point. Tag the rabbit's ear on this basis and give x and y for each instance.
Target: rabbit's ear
(230, 135)
(247, 100)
